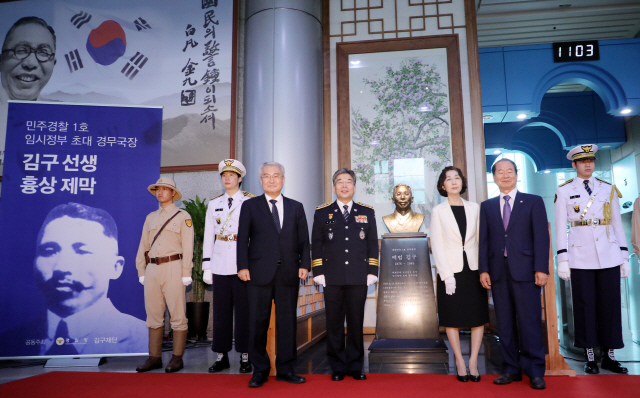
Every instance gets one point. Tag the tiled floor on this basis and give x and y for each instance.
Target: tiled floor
(199, 357)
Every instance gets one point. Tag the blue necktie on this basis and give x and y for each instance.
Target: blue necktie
(230, 200)
(275, 214)
(346, 213)
(586, 186)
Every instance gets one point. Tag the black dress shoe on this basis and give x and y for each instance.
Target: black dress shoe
(507, 378)
(291, 378)
(358, 375)
(337, 376)
(258, 380)
(473, 378)
(538, 383)
(245, 365)
(591, 367)
(220, 364)
(613, 366)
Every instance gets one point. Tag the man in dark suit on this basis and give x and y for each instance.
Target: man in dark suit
(514, 264)
(345, 262)
(272, 256)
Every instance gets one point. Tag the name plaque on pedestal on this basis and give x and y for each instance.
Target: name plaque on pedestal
(407, 320)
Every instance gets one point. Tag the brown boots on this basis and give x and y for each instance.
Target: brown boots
(155, 351)
(179, 342)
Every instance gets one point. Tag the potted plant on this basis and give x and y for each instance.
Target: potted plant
(198, 309)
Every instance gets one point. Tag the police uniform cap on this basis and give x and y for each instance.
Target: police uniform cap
(232, 165)
(582, 152)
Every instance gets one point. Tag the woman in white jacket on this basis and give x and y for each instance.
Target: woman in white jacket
(462, 301)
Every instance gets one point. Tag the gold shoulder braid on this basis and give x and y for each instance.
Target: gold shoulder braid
(322, 206)
(565, 183)
(606, 211)
(217, 196)
(363, 205)
(248, 194)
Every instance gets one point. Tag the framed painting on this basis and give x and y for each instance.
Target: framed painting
(400, 117)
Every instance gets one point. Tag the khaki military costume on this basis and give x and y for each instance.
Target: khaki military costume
(170, 259)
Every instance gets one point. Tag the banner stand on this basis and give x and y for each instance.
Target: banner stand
(74, 362)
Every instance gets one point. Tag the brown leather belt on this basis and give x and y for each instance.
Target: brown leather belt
(228, 238)
(167, 259)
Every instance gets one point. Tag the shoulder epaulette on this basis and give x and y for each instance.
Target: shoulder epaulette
(248, 194)
(217, 196)
(603, 181)
(565, 183)
(363, 205)
(322, 206)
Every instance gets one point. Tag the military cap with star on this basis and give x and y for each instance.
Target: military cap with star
(582, 152)
(232, 165)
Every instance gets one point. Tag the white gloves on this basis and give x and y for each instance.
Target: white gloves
(141, 279)
(371, 279)
(625, 269)
(186, 280)
(450, 285)
(207, 277)
(320, 280)
(563, 270)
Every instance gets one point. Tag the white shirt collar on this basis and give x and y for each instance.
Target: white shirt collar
(278, 199)
(581, 181)
(512, 194)
(235, 196)
(341, 205)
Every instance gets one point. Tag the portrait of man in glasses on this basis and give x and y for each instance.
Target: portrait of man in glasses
(27, 59)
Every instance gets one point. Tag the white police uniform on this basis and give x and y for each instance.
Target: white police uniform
(598, 243)
(219, 257)
(595, 248)
(220, 231)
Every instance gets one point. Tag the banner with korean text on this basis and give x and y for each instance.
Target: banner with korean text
(176, 54)
(74, 199)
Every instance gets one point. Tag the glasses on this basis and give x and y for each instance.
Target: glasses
(345, 182)
(271, 176)
(21, 52)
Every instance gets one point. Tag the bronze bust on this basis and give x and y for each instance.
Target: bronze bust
(403, 218)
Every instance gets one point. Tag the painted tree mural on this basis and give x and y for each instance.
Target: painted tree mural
(411, 122)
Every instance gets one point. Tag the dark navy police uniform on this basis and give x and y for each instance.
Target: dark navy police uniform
(345, 252)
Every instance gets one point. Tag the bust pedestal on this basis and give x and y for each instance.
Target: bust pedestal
(407, 320)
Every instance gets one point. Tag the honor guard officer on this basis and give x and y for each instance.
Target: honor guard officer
(595, 256)
(219, 265)
(164, 264)
(345, 261)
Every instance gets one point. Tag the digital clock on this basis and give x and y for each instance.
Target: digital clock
(576, 51)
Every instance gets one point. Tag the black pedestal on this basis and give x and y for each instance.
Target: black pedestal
(407, 319)
(408, 351)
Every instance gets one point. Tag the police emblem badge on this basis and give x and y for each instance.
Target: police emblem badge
(330, 216)
(189, 223)
(330, 235)
(362, 234)
(576, 209)
(218, 220)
